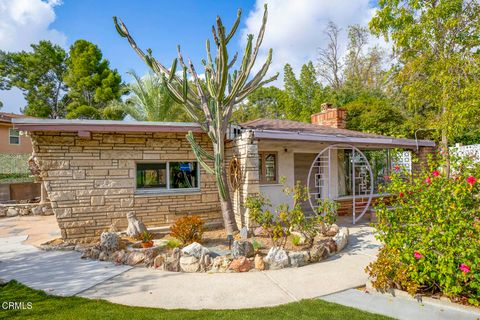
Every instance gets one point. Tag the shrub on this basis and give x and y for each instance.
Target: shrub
(297, 240)
(257, 245)
(146, 236)
(187, 229)
(284, 219)
(173, 243)
(431, 232)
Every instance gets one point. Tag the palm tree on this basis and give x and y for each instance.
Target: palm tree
(148, 100)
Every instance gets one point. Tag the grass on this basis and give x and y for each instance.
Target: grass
(50, 307)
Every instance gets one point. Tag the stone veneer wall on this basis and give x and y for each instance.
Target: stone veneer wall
(246, 150)
(91, 181)
(422, 158)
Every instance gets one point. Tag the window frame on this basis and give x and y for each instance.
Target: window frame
(261, 157)
(167, 190)
(10, 136)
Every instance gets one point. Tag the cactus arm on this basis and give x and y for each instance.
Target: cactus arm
(235, 26)
(200, 153)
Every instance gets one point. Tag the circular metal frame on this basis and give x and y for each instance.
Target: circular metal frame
(343, 147)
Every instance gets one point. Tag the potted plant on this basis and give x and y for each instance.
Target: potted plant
(147, 239)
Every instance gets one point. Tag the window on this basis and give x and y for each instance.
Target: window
(14, 136)
(267, 167)
(167, 176)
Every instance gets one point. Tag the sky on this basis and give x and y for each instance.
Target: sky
(295, 29)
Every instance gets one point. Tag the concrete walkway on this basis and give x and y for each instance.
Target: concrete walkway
(401, 307)
(64, 273)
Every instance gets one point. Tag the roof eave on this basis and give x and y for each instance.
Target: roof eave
(298, 136)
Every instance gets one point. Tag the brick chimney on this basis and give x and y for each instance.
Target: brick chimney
(330, 117)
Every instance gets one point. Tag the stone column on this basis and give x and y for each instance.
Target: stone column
(422, 156)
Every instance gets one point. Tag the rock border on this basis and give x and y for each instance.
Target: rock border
(25, 209)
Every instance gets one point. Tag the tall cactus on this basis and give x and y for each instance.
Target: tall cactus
(210, 103)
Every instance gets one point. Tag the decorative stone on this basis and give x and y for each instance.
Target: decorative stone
(135, 257)
(242, 264)
(135, 226)
(341, 238)
(259, 231)
(172, 263)
(195, 250)
(150, 256)
(333, 230)
(259, 263)
(331, 246)
(277, 258)
(300, 236)
(103, 256)
(316, 252)
(189, 264)
(37, 211)
(298, 259)
(109, 241)
(242, 248)
(12, 212)
(220, 264)
(118, 256)
(244, 233)
(205, 262)
(158, 261)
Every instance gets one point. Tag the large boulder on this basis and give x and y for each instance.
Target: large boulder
(331, 246)
(150, 256)
(259, 263)
(220, 264)
(118, 256)
(135, 226)
(333, 230)
(195, 250)
(242, 248)
(135, 257)
(298, 259)
(159, 261)
(205, 262)
(189, 264)
(242, 264)
(341, 238)
(172, 263)
(316, 252)
(277, 258)
(109, 241)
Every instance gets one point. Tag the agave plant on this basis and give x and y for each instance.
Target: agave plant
(210, 103)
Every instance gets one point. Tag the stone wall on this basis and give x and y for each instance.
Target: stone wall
(245, 148)
(25, 209)
(91, 181)
(421, 158)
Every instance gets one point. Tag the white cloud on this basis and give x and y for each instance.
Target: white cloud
(23, 22)
(295, 29)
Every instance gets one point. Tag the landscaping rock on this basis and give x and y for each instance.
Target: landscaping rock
(150, 256)
(297, 259)
(159, 261)
(118, 256)
(205, 262)
(3, 211)
(135, 257)
(37, 211)
(109, 241)
(242, 248)
(135, 226)
(333, 230)
(195, 250)
(259, 263)
(277, 258)
(103, 256)
(341, 238)
(300, 236)
(331, 246)
(12, 212)
(220, 264)
(316, 252)
(259, 231)
(172, 263)
(189, 264)
(242, 264)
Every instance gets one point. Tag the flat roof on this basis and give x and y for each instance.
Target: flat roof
(29, 124)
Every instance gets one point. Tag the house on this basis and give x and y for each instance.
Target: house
(97, 171)
(15, 149)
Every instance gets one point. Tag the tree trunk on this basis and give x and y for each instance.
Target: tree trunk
(226, 205)
(445, 152)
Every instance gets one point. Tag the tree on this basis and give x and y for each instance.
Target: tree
(329, 58)
(265, 102)
(211, 106)
(91, 81)
(437, 46)
(39, 75)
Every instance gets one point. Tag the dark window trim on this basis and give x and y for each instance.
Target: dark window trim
(261, 156)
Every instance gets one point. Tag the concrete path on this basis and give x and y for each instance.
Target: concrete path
(56, 272)
(401, 307)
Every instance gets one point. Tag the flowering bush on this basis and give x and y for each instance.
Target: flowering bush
(188, 229)
(431, 232)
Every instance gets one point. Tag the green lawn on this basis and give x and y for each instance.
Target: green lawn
(53, 307)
